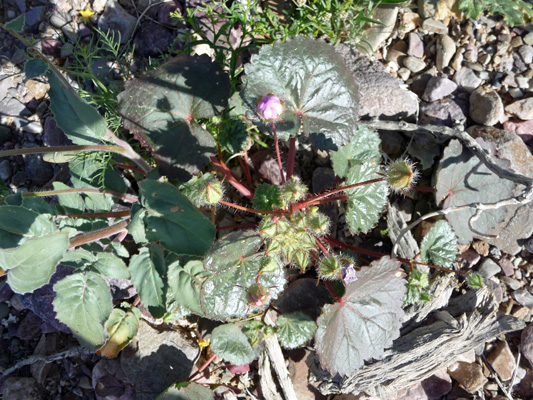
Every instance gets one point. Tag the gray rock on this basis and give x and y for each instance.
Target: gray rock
(161, 358)
(19, 388)
(375, 35)
(523, 109)
(427, 8)
(34, 16)
(11, 106)
(110, 381)
(518, 222)
(438, 385)
(431, 25)
(34, 127)
(489, 268)
(416, 45)
(528, 39)
(380, 94)
(443, 112)
(438, 87)
(19, 179)
(467, 79)
(445, 51)
(502, 360)
(524, 298)
(5, 170)
(526, 345)
(37, 170)
(470, 376)
(414, 64)
(53, 135)
(152, 39)
(486, 107)
(60, 19)
(526, 52)
(511, 282)
(117, 19)
(471, 53)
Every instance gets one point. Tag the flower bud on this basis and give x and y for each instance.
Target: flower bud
(402, 175)
(270, 107)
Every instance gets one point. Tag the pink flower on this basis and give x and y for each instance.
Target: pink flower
(270, 107)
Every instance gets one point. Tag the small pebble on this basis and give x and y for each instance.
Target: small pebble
(523, 109)
(414, 64)
(416, 45)
(431, 25)
(445, 51)
(489, 268)
(486, 107)
(528, 39)
(526, 52)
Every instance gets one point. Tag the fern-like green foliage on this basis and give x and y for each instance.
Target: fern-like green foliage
(514, 12)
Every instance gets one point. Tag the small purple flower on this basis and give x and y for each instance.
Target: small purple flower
(348, 273)
(270, 107)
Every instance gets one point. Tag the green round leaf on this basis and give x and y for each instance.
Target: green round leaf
(83, 303)
(295, 330)
(439, 245)
(319, 92)
(172, 220)
(228, 342)
(366, 321)
(160, 109)
(31, 265)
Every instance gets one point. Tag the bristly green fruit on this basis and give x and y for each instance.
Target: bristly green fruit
(402, 175)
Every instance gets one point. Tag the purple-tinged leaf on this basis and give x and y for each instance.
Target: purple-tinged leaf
(365, 322)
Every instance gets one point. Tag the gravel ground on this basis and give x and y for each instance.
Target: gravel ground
(429, 68)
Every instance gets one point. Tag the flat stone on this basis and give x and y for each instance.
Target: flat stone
(526, 52)
(438, 87)
(528, 39)
(489, 268)
(438, 385)
(19, 388)
(427, 8)
(467, 79)
(523, 297)
(502, 360)
(507, 266)
(513, 284)
(526, 343)
(11, 106)
(468, 258)
(469, 376)
(446, 112)
(117, 19)
(518, 223)
(5, 170)
(431, 25)
(380, 94)
(110, 381)
(524, 129)
(481, 247)
(416, 45)
(375, 35)
(158, 359)
(523, 109)
(486, 107)
(414, 64)
(152, 39)
(445, 51)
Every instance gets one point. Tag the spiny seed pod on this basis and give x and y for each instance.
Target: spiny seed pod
(270, 107)
(402, 175)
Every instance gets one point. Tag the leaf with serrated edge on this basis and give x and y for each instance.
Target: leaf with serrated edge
(439, 246)
(31, 265)
(228, 342)
(463, 179)
(319, 92)
(81, 122)
(365, 203)
(187, 391)
(121, 326)
(160, 109)
(111, 266)
(365, 322)
(173, 220)
(295, 330)
(147, 271)
(364, 146)
(83, 303)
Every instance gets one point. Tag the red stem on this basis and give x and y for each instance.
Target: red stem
(247, 169)
(290, 163)
(252, 210)
(322, 247)
(332, 291)
(278, 153)
(304, 203)
(328, 200)
(232, 179)
(201, 369)
(111, 214)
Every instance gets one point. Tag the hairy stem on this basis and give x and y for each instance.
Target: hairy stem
(232, 179)
(278, 155)
(126, 197)
(98, 234)
(251, 210)
(314, 198)
(290, 163)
